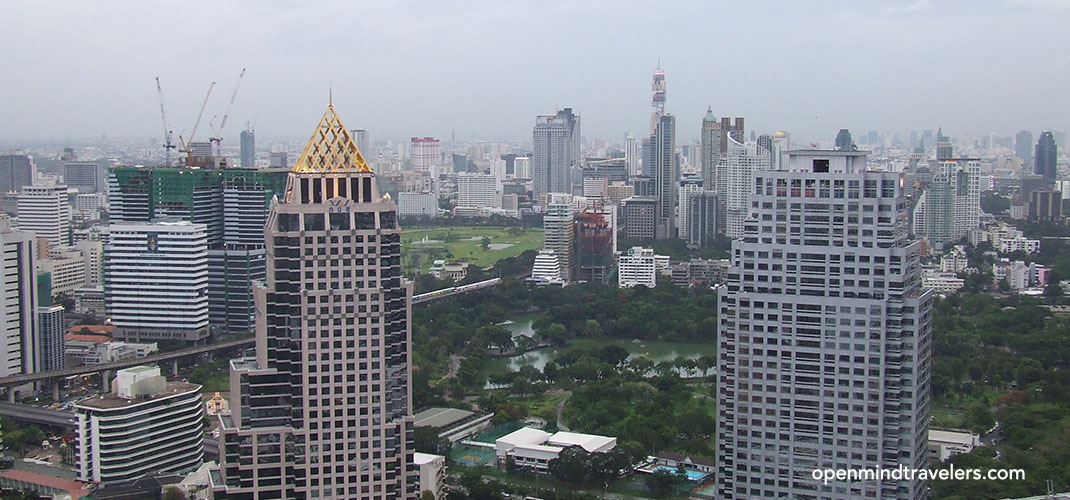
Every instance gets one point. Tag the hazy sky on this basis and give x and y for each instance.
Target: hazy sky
(486, 68)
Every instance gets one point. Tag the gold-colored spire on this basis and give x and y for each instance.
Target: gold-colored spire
(331, 148)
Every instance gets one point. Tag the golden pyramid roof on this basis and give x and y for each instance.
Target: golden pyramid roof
(331, 149)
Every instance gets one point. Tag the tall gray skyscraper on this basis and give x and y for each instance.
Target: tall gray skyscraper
(15, 171)
(666, 172)
(950, 206)
(323, 410)
(711, 148)
(657, 99)
(844, 141)
(825, 336)
(363, 140)
(556, 142)
(1045, 159)
(248, 149)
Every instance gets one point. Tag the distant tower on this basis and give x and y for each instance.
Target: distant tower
(657, 101)
(843, 140)
(556, 150)
(248, 149)
(363, 140)
(1046, 154)
(666, 171)
(711, 147)
(46, 211)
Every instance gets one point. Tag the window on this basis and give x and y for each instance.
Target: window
(821, 166)
(314, 222)
(289, 222)
(339, 221)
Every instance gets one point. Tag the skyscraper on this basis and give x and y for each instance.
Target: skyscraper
(825, 336)
(666, 170)
(363, 140)
(632, 155)
(323, 410)
(556, 142)
(50, 337)
(46, 211)
(424, 153)
(711, 147)
(734, 176)
(1046, 155)
(559, 231)
(85, 176)
(1023, 146)
(950, 206)
(15, 171)
(248, 149)
(478, 191)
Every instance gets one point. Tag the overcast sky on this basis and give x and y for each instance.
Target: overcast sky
(485, 69)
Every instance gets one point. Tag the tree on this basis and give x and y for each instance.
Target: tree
(427, 495)
(173, 493)
(427, 440)
(485, 243)
(663, 483)
(612, 354)
(570, 466)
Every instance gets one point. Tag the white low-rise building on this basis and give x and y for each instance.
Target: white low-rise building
(946, 444)
(943, 282)
(547, 269)
(534, 448)
(639, 267)
(432, 469)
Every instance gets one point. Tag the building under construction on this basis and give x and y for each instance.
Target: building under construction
(595, 243)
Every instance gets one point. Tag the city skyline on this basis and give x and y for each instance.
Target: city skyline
(432, 87)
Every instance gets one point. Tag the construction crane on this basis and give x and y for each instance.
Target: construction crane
(167, 132)
(218, 139)
(186, 145)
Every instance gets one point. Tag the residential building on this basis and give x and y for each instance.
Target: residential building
(1020, 275)
(363, 138)
(547, 269)
(66, 269)
(637, 267)
(46, 211)
(951, 204)
(688, 186)
(275, 443)
(478, 191)
(556, 141)
(19, 351)
(432, 470)
(417, 204)
(640, 215)
(1045, 205)
(711, 148)
(632, 157)
(533, 449)
(93, 256)
(16, 171)
(156, 280)
(522, 167)
(559, 231)
(823, 315)
(50, 337)
(941, 281)
(705, 217)
(1047, 153)
(735, 174)
(424, 153)
(146, 425)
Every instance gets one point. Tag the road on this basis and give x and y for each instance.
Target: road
(454, 367)
(561, 407)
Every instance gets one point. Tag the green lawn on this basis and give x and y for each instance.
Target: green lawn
(465, 244)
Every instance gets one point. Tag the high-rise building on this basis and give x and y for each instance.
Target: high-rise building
(323, 410)
(417, 204)
(1046, 156)
(145, 425)
(46, 211)
(248, 149)
(731, 128)
(633, 156)
(666, 173)
(825, 336)
(951, 204)
(688, 186)
(556, 142)
(657, 99)
(363, 139)
(595, 243)
(156, 280)
(85, 176)
(705, 218)
(522, 167)
(734, 178)
(1023, 146)
(559, 232)
(279, 159)
(50, 337)
(478, 191)
(16, 171)
(640, 217)
(424, 153)
(711, 147)
(19, 351)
